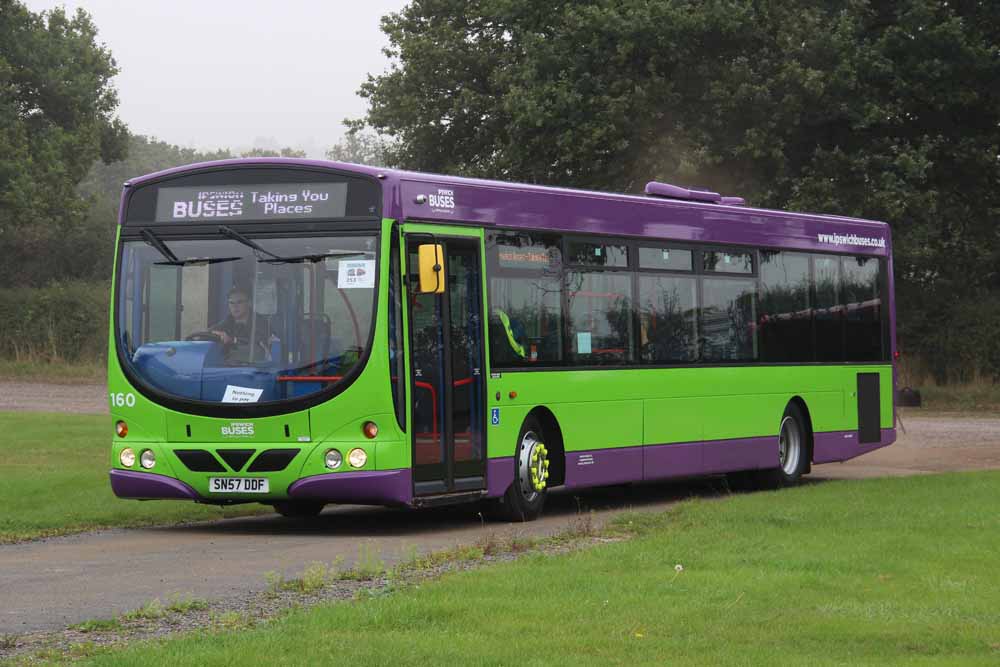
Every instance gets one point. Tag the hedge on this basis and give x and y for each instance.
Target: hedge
(61, 322)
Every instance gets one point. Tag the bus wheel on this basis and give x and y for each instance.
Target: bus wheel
(526, 496)
(299, 509)
(793, 450)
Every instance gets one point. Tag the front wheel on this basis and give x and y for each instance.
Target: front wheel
(525, 498)
(299, 509)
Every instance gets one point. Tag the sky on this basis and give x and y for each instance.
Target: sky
(240, 73)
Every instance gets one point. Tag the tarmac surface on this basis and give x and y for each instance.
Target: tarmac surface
(49, 584)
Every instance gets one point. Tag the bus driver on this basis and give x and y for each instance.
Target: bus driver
(240, 326)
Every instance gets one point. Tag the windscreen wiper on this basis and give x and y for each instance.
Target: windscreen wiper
(155, 241)
(239, 238)
(172, 259)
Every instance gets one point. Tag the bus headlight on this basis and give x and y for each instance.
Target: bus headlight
(333, 459)
(147, 459)
(127, 457)
(357, 458)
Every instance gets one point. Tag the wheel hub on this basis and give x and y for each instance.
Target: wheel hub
(789, 445)
(533, 466)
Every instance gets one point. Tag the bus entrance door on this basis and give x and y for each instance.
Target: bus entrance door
(446, 362)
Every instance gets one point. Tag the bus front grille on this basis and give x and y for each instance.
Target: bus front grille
(273, 460)
(198, 460)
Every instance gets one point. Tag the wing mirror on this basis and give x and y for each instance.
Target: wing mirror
(430, 260)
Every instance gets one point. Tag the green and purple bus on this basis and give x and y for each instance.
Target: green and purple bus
(299, 333)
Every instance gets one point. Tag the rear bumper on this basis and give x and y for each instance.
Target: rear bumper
(147, 486)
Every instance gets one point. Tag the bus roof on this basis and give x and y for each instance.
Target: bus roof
(433, 197)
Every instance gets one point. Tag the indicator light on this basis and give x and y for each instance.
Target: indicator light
(121, 428)
(370, 429)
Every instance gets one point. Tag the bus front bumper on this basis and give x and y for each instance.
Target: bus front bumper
(376, 487)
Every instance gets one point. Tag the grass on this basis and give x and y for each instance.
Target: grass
(54, 480)
(77, 372)
(874, 572)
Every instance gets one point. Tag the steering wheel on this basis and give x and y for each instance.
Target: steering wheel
(208, 336)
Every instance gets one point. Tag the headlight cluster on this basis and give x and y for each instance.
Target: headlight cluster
(357, 458)
(147, 459)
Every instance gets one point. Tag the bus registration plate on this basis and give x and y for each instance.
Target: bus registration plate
(237, 485)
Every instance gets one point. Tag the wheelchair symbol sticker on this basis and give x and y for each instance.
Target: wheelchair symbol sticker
(495, 416)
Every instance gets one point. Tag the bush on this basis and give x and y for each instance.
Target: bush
(62, 322)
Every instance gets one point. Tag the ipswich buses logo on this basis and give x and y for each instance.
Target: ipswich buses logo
(442, 201)
(238, 429)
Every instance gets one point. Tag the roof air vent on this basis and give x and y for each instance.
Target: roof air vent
(668, 191)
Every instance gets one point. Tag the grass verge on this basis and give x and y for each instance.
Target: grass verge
(875, 572)
(55, 481)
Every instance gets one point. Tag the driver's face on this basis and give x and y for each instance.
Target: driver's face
(239, 306)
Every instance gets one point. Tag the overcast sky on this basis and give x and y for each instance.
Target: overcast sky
(238, 73)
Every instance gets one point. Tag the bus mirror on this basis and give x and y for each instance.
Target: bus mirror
(430, 258)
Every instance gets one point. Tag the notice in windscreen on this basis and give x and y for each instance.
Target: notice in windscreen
(235, 394)
(252, 202)
(355, 274)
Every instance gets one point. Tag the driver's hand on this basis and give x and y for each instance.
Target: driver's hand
(226, 338)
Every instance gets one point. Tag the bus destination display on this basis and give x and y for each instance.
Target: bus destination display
(252, 202)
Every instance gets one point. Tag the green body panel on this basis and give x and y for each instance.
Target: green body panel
(628, 407)
(594, 408)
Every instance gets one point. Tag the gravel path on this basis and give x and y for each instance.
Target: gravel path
(47, 397)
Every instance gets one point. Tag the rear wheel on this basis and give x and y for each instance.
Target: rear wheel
(793, 450)
(298, 509)
(525, 498)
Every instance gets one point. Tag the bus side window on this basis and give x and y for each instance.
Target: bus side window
(525, 319)
(785, 319)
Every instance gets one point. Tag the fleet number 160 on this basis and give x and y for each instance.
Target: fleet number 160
(121, 400)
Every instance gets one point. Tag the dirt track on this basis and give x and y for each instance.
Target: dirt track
(49, 584)
(48, 397)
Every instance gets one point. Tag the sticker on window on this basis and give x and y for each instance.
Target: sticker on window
(356, 273)
(236, 394)
(583, 342)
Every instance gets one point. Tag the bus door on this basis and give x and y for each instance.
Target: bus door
(446, 363)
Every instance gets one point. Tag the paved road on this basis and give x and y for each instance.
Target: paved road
(49, 584)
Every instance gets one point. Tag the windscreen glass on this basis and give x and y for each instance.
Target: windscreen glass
(217, 321)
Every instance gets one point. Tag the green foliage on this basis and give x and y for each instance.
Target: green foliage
(151, 610)
(884, 110)
(57, 117)
(61, 322)
(360, 147)
(266, 152)
(97, 625)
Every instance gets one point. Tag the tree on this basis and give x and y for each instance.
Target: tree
(881, 109)
(57, 116)
(267, 152)
(360, 147)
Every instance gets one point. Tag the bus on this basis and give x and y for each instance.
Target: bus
(299, 333)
